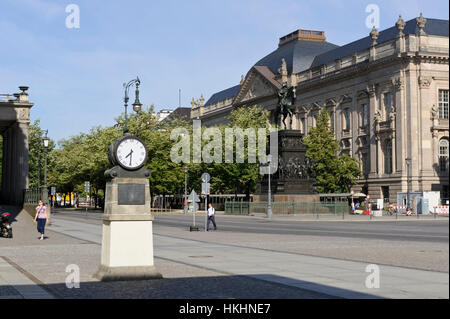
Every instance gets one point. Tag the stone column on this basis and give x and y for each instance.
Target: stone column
(373, 142)
(400, 128)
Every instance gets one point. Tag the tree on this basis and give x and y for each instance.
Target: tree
(333, 173)
(36, 155)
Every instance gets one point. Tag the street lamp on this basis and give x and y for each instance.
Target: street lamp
(137, 106)
(269, 200)
(408, 165)
(185, 190)
(45, 142)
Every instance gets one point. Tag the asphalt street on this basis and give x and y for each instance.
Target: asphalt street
(408, 230)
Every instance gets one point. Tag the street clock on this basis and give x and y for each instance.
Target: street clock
(129, 152)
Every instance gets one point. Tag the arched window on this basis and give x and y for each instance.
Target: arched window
(332, 120)
(387, 101)
(346, 119)
(443, 155)
(388, 157)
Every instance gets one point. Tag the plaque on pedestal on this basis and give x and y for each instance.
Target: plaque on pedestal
(127, 241)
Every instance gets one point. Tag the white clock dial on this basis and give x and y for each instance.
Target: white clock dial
(131, 153)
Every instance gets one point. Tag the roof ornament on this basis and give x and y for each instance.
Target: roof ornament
(242, 79)
(198, 103)
(194, 103)
(374, 35)
(400, 24)
(421, 22)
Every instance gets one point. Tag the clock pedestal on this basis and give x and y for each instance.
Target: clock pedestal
(127, 243)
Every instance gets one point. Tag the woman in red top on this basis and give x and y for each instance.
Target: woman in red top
(41, 218)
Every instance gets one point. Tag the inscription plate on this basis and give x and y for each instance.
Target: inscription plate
(131, 194)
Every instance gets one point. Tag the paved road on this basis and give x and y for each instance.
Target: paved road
(332, 276)
(411, 230)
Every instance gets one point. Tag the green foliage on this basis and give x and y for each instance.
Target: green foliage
(83, 157)
(36, 155)
(333, 173)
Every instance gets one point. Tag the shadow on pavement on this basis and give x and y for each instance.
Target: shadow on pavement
(215, 287)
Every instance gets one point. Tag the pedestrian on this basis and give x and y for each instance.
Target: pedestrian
(211, 216)
(41, 218)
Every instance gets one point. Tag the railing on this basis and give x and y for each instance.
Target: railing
(32, 196)
(287, 208)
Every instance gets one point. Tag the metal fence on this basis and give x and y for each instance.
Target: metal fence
(32, 196)
(287, 208)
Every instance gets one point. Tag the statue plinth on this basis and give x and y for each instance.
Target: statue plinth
(292, 181)
(127, 241)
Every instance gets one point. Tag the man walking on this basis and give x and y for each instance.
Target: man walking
(211, 214)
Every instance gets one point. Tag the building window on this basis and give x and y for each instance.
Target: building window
(443, 155)
(303, 123)
(385, 191)
(346, 120)
(443, 104)
(365, 163)
(388, 157)
(332, 120)
(364, 115)
(387, 101)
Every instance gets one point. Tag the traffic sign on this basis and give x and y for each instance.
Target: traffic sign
(205, 177)
(87, 186)
(193, 197)
(206, 188)
(53, 190)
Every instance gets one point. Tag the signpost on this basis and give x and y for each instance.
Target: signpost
(87, 187)
(193, 198)
(205, 191)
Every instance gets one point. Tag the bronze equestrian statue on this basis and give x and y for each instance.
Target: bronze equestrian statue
(286, 99)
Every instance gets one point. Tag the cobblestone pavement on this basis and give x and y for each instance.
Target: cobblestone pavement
(413, 254)
(47, 260)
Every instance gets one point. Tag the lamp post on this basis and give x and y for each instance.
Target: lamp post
(408, 165)
(137, 106)
(44, 190)
(269, 199)
(185, 190)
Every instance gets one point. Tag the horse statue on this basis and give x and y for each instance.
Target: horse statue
(286, 99)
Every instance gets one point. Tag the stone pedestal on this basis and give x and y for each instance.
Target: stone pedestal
(291, 181)
(127, 243)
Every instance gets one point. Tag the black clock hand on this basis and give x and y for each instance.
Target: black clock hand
(130, 155)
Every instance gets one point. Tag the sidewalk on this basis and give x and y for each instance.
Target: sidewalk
(37, 269)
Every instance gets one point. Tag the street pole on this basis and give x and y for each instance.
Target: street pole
(408, 163)
(185, 190)
(206, 212)
(39, 166)
(269, 200)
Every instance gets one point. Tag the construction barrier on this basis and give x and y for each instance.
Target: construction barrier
(441, 210)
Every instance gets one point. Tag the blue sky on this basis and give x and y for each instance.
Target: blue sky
(198, 46)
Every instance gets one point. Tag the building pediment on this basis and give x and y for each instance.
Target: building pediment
(259, 82)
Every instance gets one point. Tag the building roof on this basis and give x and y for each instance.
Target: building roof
(433, 27)
(223, 95)
(298, 54)
(181, 113)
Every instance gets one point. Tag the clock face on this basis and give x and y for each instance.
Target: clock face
(131, 153)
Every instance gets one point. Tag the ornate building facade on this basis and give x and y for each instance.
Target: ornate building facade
(387, 95)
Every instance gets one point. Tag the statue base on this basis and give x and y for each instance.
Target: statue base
(127, 240)
(291, 181)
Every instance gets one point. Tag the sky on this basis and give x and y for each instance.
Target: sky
(76, 75)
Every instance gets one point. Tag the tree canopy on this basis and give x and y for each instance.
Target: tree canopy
(333, 173)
